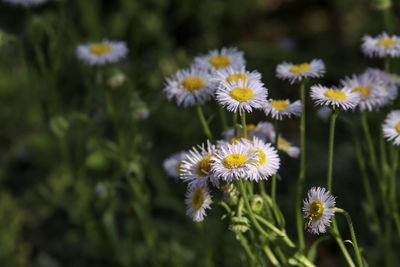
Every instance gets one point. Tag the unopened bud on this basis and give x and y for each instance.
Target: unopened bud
(239, 224)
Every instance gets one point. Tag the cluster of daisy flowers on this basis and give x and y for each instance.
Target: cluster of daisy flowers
(212, 165)
(368, 91)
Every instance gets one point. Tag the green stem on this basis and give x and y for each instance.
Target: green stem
(331, 143)
(370, 147)
(387, 65)
(244, 125)
(112, 113)
(353, 235)
(223, 117)
(245, 245)
(234, 118)
(203, 121)
(302, 172)
(273, 184)
(339, 240)
(250, 211)
(274, 261)
(382, 150)
(393, 185)
(366, 183)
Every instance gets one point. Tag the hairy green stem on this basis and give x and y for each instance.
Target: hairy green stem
(353, 235)
(331, 143)
(302, 172)
(339, 240)
(204, 123)
(371, 148)
(245, 245)
(366, 183)
(223, 117)
(234, 118)
(274, 261)
(244, 125)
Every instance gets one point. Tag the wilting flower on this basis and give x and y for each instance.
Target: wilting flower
(101, 53)
(334, 98)
(220, 59)
(391, 127)
(297, 72)
(197, 200)
(278, 109)
(381, 46)
(189, 87)
(319, 208)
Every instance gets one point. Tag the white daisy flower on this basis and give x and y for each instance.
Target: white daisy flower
(197, 200)
(278, 109)
(389, 83)
(189, 86)
(242, 95)
(220, 59)
(293, 73)
(319, 208)
(371, 93)
(391, 127)
(261, 130)
(98, 54)
(231, 74)
(235, 161)
(196, 169)
(285, 146)
(335, 98)
(268, 162)
(172, 165)
(26, 3)
(381, 46)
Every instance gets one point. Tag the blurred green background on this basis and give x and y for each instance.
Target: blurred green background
(65, 199)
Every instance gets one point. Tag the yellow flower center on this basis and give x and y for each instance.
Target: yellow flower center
(262, 156)
(282, 144)
(100, 49)
(398, 127)
(234, 140)
(279, 104)
(236, 77)
(300, 68)
(364, 91)
(198, 198)
(193, 83)
(386, 42)
(335, 94)
(220, 61)
(178, 167)
(316, 209)
(242, 94)
(234, 161)
(250, 127)
(393, 77)
(204, 166)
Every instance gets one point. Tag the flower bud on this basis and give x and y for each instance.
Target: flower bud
(257, 203)
(239, 225)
